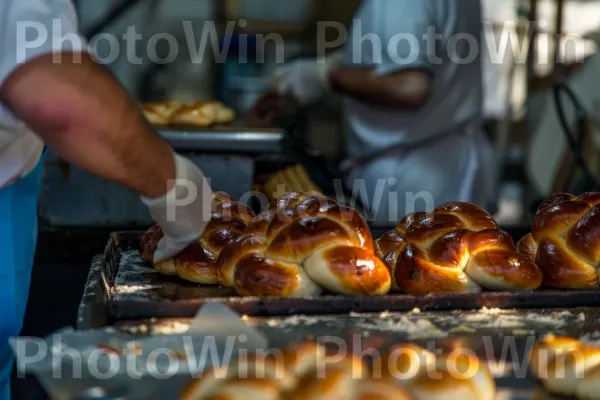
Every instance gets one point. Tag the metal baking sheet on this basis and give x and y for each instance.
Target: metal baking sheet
(135, 290)
(502, 338)
(225, 139)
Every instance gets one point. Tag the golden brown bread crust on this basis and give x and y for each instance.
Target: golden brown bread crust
(405, 361)
(149, 242)
(528, 247)
(565, 366)
(160, 112)
(547, 349)
(458, 248)
(205, 113)
(223, 114)
(214, 383)
(348, 270)
(394, 238)
(201, 113)
(300, 245)
(195, 114)
(455, 375)
(565, 241)
(231, 255)
(197, 263)
(258, 276)
(305, 372)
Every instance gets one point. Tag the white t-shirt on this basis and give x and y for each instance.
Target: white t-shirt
(403, 32)
(29, 29)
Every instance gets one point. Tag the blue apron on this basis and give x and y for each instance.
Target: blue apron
(18, 236)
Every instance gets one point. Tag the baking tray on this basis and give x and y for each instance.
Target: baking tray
(232, 139)
(135, 291)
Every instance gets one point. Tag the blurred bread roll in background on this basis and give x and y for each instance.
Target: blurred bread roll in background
(201, 113)
(293, 179)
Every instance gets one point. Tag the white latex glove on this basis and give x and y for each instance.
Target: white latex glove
(307, 80)
(183, 212)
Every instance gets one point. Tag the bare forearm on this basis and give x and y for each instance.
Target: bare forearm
(89, 120)
(407, 90)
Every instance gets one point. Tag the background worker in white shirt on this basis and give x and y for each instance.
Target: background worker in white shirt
(79, 110)
(413, 111)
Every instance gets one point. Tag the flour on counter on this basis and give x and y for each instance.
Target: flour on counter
(131, 289)
(489, 319)
(491, 311)
(415, 329)
(292, 321)
(172, 328)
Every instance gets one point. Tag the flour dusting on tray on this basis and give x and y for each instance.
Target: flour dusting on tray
(414, 328)
(132, 277)
(508, 319)
(291, 321)
(137, 280)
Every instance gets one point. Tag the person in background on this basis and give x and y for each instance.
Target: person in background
(56, 94)
(413, 108)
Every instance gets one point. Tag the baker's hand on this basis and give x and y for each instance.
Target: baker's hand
(183, 212)
(307, 80)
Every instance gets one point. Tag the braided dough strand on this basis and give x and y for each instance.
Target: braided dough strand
(197, 263)
(306, 372)
(301, 245)
(566, 366)
(565, 241)
(458, 248)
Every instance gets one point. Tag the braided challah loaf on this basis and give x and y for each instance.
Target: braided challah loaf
(301, 245)
(458, 248)
(201, 113)
(455, 375)
(305, 372)
(565, 241)
(197, 263)
(567, 367)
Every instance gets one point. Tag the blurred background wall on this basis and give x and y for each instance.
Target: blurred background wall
(525, 129)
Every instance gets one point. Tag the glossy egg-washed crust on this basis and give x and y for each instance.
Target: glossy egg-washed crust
(302, 245)
(566, 366)
(198, 262)
(565, 241)
(306, 372)
(458, 248)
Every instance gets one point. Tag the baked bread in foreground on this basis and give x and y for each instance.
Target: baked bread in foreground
(565, 241)
(458, 248)
(198, 262)
(306, 372)
(303, 244)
